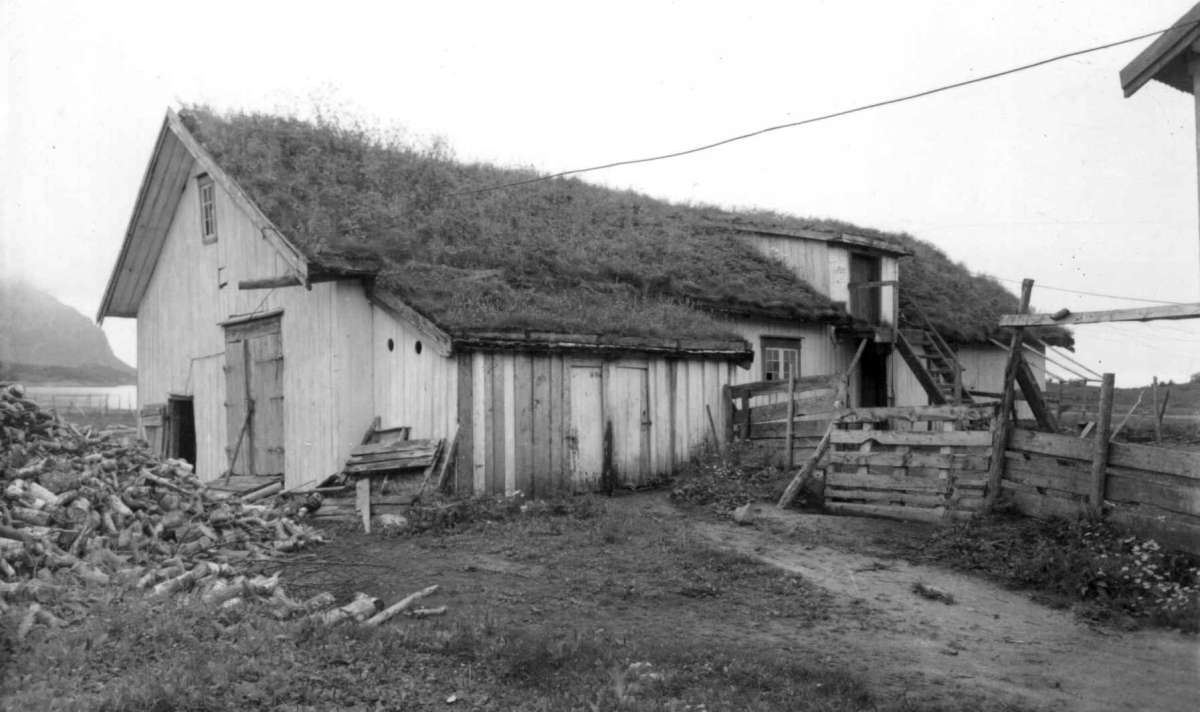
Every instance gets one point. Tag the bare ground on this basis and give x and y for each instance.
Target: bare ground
(634, 574)
(992, 641)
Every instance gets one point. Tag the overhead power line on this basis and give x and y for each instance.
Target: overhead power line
(824, 117)
(1095, 294)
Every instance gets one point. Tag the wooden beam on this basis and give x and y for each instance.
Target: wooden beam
(290, 280)
(1171, 311)
(1033, 396)
(1000, 433)
(1100, 445)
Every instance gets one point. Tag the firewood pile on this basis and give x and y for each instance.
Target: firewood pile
(80, 508)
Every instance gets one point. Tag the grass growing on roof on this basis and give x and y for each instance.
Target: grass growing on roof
(559, 255)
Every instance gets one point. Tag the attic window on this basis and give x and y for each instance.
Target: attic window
(780, 358)
(208, 209)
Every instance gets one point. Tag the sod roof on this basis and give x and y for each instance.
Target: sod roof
(558, 255)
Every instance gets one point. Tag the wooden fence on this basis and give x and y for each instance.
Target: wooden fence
(1154, 491)
(760, 410)
(921, 463)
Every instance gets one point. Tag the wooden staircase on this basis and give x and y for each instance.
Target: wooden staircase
(934, 364)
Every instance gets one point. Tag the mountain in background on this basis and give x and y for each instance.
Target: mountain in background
(43, 341)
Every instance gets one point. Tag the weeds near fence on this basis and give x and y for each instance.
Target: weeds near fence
(1093, 565)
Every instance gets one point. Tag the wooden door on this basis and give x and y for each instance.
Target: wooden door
(629, 412)
(585, 431)
(865, 303)
(254, 397)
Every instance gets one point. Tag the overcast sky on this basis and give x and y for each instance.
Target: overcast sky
(1049, 173)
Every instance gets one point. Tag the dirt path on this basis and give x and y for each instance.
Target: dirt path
(995, 642)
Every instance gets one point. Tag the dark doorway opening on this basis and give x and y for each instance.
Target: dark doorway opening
(181, 440)
(872, 377)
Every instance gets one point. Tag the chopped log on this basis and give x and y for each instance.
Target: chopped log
(399, 606)
(362, 606)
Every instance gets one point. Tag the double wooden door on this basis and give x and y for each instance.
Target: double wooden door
(254, 397)
(608, 440)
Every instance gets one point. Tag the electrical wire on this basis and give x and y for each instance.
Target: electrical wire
(824, 117)
(1095, 294)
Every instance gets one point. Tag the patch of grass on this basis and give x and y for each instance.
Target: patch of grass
(1108, 574)
(136, 655)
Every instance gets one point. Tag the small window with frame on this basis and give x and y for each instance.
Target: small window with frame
(208, 208)
(780, 358)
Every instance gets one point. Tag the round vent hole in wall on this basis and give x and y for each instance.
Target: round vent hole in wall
(391, 345)
(418, 347)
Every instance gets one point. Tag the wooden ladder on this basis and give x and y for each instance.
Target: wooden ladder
(933, 362)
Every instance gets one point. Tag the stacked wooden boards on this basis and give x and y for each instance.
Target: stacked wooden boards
(918, 463)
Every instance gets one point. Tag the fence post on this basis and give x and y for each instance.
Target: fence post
(1100, 449)
(1007, 402)
(727, 413)
(746, 417)
(1157, 417)
(789, 457)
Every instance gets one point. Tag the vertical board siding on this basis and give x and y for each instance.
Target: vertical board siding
(808, 259)
(535, 422)
(479, 420)
(193, 289)
(464, 466)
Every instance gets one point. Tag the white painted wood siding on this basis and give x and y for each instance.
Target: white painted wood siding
(325, 332)
(419, 390)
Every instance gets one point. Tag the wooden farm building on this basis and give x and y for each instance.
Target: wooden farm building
(292, 282)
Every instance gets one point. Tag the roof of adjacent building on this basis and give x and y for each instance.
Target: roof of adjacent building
(1166, 58)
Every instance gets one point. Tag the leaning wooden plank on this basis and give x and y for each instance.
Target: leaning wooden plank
(806, 471)
(919, 514)
(451, 455)
(969, 438)
(1033, 395)
(1173, 311)
(400, 606)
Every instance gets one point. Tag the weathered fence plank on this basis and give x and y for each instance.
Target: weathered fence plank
(957, 438)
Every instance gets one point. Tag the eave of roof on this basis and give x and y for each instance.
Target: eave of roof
(1166, 58)
(872, 244)
(175, 154)
(738, 350)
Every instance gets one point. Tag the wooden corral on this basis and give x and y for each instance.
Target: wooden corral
(926, 464)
